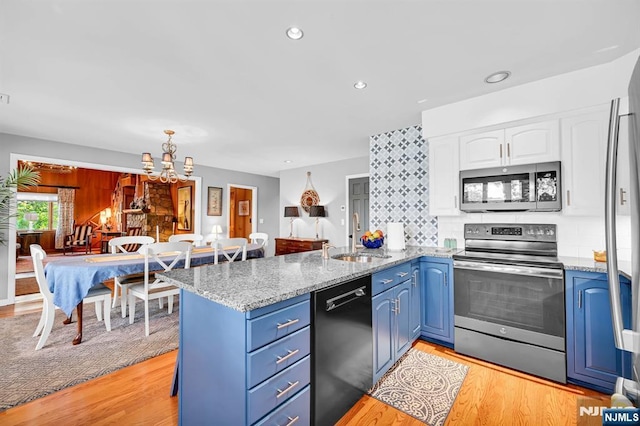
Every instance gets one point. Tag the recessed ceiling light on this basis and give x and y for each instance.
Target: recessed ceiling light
(421, 101)
(497, 77)
(288, 161)
(294, 33)
(360, 85)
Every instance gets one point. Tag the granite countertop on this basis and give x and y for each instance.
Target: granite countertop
(255, 283)
(589, 265)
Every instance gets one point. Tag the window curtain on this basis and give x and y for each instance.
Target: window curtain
(66, 201)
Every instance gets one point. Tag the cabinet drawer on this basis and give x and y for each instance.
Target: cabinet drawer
(278, 389)
(268, 328)
(296, 411)
(277, 356)
(388, 278)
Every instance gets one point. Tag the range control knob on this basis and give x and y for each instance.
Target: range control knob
(550, 232)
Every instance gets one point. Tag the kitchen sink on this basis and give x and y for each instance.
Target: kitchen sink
(359, 257)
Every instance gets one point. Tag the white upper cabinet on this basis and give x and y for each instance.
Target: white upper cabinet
(530, 143)
(584, 146)
(481, 150)
(444, 177)
(623, 180)
(533, 143)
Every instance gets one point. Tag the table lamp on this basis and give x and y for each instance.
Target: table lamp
(216, 230)
(291, 212)
(317, 212)
(31, 217)
(107, 214)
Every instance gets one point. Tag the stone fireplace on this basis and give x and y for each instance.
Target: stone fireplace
(156, 220)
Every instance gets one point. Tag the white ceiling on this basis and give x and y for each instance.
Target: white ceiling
(242, 96)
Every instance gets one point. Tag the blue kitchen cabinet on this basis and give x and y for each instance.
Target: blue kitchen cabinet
(437, 300)
(244, 368)
(416, 300)
(391, 311)
(592, 358)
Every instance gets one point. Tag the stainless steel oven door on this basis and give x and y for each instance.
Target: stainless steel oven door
(521, 303)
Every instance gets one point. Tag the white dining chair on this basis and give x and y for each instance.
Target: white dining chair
(194, 239)
(159, 257)
(99, 294)
(226, 247)
(261, 238)
(126, 244)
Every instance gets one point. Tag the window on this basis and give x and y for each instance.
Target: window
(44, 207)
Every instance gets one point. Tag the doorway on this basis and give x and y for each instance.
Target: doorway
(357, 202)
(242, 210)
(11, 296)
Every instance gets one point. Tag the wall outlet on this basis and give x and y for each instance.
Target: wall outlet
(342, 222)
(261, 220)
(4, 99)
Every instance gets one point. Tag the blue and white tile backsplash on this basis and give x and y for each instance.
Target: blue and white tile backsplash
(399, 184)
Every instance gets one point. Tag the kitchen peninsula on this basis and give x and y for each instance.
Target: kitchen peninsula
(227, 349)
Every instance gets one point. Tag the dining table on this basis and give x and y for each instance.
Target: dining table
(70, 278)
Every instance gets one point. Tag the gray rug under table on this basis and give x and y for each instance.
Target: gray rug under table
(28, 374)
(421, 385)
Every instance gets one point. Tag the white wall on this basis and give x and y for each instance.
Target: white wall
(329, 181)
(577, 236)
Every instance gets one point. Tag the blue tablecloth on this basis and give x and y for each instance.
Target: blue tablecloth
(71, 278)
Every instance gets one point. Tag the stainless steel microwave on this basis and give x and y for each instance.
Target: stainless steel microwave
(526, 187)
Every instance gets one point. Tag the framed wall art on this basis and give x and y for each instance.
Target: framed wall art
(243, 208)
(214, 201)
(184, 209)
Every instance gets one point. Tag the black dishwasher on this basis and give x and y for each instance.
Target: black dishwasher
(342, 348)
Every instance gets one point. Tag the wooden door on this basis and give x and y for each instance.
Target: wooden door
(240, 212)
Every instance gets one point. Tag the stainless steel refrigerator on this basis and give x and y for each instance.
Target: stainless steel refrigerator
(627, 340)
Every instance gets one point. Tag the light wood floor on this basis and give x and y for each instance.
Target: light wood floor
(139, 395)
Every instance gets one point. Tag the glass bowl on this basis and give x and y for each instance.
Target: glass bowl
(373, 244)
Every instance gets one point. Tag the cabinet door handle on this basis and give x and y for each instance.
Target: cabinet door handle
(292, 420)
(446, 281)
(509, 150)
(283, 392)
(402, 274)
(415, 279)
(398, 304)
(287, 356)
(501, 151)
(288, 323)
(568, 197)
(394, 308)
(386, 281)
(622, 194)
(580, 299)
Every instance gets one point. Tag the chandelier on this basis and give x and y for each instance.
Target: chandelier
(168, 173)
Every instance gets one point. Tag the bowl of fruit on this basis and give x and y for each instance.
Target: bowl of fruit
(373, 239)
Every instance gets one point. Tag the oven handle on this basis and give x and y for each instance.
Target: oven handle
(528, 271)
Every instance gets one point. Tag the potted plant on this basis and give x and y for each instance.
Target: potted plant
(17, 179)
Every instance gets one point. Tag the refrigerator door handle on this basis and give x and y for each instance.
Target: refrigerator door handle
(627, 340)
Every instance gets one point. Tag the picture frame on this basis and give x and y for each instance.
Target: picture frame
(214, 201)
(243, 208)
(184, 209)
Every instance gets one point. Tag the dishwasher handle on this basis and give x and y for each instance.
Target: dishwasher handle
(343, 299)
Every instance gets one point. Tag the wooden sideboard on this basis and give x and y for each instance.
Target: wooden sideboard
(297, 245)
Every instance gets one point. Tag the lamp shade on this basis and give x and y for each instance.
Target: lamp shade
(31, 217)
(107, 212)
(291, 211)
(216, 229)
(316, 211)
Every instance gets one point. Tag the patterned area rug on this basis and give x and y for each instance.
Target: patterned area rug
(28, 374)
(422, 385)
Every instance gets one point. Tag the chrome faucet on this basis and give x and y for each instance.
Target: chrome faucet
(355, 227)
(325, 250)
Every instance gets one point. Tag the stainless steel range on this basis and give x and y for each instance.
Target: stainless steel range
(509, 298)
